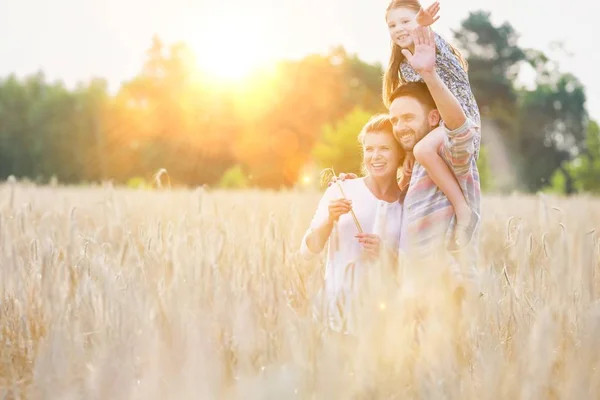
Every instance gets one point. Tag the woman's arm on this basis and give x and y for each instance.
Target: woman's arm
(318, 236)
(328, 211)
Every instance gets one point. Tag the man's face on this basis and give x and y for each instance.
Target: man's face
(411, 121)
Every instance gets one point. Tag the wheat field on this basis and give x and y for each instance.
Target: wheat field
(113, 293)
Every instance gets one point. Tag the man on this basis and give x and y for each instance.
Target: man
(430, 223)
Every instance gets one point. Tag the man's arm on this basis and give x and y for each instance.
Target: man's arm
(423, 61)
(458, 148)
(446, 103)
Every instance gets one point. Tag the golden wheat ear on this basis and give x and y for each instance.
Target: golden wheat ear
(351, 210)
(326, 176)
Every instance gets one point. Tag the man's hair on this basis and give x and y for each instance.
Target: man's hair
(416, 90)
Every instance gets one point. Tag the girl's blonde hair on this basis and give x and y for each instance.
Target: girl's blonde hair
(392, 79)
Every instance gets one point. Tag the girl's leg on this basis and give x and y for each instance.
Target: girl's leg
(426, 153)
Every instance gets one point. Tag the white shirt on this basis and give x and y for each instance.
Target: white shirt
(343, 249)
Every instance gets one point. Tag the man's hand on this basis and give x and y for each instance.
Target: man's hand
(371, 243)
(428, 16)
(342, 177)
(423, 60)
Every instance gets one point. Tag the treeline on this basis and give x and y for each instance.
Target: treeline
(281, 126)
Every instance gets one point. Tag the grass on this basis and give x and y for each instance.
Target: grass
(125, 294)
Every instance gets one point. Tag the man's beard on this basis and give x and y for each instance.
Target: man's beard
(422, 132)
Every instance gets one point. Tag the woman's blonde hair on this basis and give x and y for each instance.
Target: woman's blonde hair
(392, 79)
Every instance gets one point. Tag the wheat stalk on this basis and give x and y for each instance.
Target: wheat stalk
(136, 300)
(329, 173)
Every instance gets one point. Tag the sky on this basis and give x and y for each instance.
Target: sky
(75, 40)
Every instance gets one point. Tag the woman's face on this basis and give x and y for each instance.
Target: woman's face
(401, 21)
(381, 154)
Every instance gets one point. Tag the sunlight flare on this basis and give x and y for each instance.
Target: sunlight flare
(229, 47)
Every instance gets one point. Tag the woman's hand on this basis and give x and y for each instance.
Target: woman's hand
(407, 167)
(338, 208)
(428, 16)
(371, 243)
(408, 164)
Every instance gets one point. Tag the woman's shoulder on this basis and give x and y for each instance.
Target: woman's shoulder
(354, 184)
(352, 187)
(333, 188)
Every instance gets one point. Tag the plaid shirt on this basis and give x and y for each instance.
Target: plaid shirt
(430, 216)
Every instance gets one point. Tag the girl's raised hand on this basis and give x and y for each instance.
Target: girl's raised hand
(428, 16)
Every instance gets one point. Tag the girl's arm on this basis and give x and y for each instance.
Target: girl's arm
(455, 76)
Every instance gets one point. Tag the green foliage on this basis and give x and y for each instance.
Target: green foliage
(541, 127)
(48, 130)
(338, 147)
(137, 182)
(552, 123)
(557, 183)
(586, 168)
(171, 116)
(234, 178)
(485, 173)
(584, 171)
(494, 58)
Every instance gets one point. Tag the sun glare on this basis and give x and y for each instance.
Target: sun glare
(228, 48)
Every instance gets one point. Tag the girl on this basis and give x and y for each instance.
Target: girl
(402, 17)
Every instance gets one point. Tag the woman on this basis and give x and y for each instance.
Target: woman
(375, 201)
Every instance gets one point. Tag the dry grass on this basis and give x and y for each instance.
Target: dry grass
(116, 294)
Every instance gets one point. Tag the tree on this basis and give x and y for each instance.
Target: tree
(47, 130)
(494, 60)
(172, 116)
(278, 137)
(552, 122)
(542, 128)
(585, 169)
(338, 147)
(169, 117)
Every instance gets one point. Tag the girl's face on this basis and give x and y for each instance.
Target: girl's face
(401, 21)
